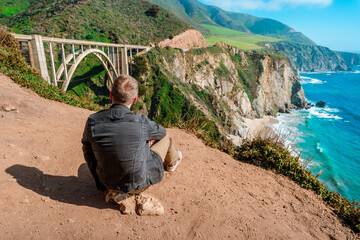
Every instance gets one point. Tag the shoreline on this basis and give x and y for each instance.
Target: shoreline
(260, 126)
(256, 127)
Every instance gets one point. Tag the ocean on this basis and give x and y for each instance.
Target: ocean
(330, 135)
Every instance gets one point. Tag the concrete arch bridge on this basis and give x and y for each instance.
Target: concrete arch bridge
(58, 69)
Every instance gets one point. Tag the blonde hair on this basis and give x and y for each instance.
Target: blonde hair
(124, 89)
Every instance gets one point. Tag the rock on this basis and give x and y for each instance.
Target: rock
(42, 157)
(14, 180)
(128, 206)
(45, 199)
(70, 221)
(25, 200)
(320, 104)
(8, 108)
(148, 205)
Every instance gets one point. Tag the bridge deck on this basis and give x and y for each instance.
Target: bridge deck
(21, 37)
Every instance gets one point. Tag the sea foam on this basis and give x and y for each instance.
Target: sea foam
(309, 80)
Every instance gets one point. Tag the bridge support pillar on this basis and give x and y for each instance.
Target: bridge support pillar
(124, 61)
(38, 56)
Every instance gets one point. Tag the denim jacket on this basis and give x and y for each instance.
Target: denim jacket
(116, 149)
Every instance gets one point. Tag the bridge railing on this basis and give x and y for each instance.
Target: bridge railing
(114, 57)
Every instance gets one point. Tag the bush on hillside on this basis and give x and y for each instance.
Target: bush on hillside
(7, 40)
(154, 11)
(271, 154)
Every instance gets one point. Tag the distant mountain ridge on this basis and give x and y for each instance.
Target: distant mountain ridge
(196, 13)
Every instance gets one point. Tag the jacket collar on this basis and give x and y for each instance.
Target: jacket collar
(119, 106)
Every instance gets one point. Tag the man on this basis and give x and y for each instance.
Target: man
(116, 145)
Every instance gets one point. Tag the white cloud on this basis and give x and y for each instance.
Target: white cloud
(266, 4)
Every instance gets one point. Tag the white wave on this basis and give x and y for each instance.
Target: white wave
(327, 72)
(287, 129)
(307, 80)
(319, 148)
(332, 110)
(324, 113)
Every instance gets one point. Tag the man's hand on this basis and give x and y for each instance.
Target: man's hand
(151, 142)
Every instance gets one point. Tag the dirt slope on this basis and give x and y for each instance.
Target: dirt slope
(188, 39)
(47, 192)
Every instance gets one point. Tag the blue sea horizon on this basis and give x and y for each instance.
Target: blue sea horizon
(330, 135)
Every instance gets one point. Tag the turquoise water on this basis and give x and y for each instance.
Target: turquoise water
(331, 135)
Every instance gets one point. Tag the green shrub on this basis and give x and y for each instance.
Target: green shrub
(8, 41)
(271, 154)
(139, 67)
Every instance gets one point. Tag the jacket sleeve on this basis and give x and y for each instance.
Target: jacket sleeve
(90, 157)
(156, 132)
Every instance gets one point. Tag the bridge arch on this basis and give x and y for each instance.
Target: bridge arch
(98, 53)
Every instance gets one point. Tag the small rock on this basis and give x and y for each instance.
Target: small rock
(47, 189)
(8, 108)
(11, 145)
(45, 199)
(2, 115)
(14, 180)
(148, 205)
(42, 157)
(25, 200)
(70, 221)
(320, 104)
(128, 206)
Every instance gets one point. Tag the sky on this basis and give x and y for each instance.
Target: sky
(330, 23)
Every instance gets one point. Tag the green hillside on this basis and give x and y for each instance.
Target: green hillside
(137, 21)
(11, 7)
(246, 42)
(241, 40)
(217, 30)
(197, 14)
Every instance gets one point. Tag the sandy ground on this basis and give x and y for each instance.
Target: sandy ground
(256, 127)
(47, 192)
(260, 126)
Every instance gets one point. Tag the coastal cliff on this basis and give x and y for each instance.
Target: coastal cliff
(311, 58)
(226, 84)
(350, 58)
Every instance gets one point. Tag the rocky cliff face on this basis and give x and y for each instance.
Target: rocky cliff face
(279, 88)
(350, 58)
(227, 84)
(308, 58)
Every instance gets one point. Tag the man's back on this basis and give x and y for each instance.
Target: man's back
(116, 148)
